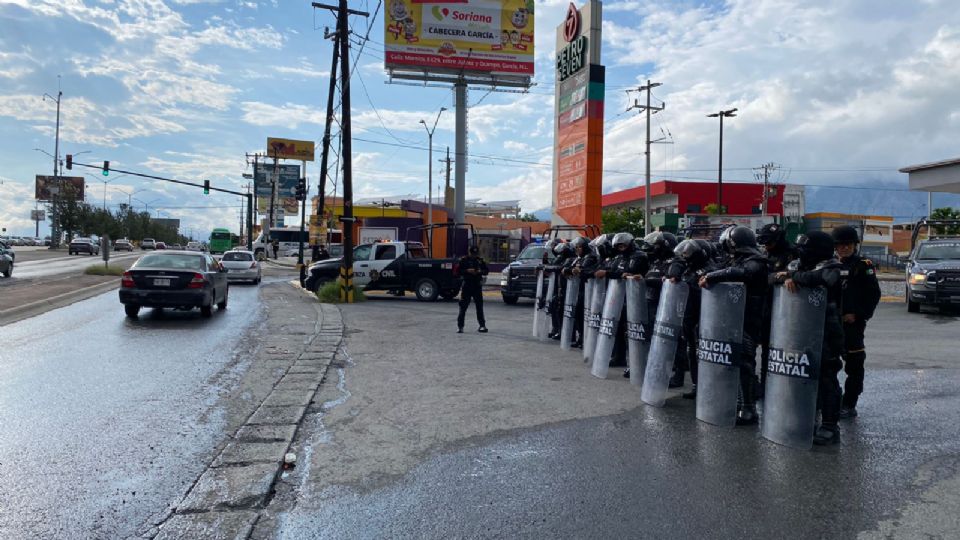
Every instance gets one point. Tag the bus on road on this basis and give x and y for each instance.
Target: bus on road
(221, 241)
(287, 237)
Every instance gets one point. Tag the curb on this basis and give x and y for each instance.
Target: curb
(39, 307)
(238, 484)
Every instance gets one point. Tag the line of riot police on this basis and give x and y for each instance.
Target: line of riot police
(661, 308)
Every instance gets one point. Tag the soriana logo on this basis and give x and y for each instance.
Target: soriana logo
(459, 15)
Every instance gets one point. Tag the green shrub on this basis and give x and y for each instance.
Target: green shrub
(329, 293)
(101, 270)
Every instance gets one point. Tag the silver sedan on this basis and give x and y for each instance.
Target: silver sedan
(241, 266)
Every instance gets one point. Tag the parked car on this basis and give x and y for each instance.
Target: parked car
(83, 245)
(933, 274)
(148, 243)
(179, 280)
(47, 240)
(161, 245)
(6, 261)
(122, 245)
(241, 265)
(8, 248)
(519, 278)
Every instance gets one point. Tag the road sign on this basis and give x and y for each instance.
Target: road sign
(38, 215)
(286, 185)
(68, 186)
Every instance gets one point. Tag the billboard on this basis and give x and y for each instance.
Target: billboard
(287, 183)
(48, 186)
(290, 149)
(38, 215)
(578, 109)
(455, 36)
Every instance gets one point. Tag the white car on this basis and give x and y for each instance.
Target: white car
(148, 243)
(241, 266)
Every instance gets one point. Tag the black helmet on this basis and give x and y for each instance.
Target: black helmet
(552, 243)
(563, 247)
(814, 247)
(741, 239)
(660, 244)
(579, 243)
(692, 253)
(707, 247)
(474, 250)
(602, 245)
(622, 238)
(771, 234)
(845, 234)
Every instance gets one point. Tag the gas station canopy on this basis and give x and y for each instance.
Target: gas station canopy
(939, 176)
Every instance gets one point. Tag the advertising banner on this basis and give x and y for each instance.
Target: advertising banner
(68, 186)
(38, 215)
(290, 149)
(480, 36)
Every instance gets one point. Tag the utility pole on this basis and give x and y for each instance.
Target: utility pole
(328, 121)
(763, 173)
(649, 110)
(54, 217)
(250, 198)
(343, 33)
(446, 189)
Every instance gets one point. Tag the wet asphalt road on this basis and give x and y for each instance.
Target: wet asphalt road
(65, 264)
(105, 421)
(659, 473)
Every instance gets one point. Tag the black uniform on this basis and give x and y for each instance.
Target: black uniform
(632, 262)
(690, 274)
(587, 264)
(861, 294)
(749, 267)
(472, 287)
(563, 260)
(780, 258)
(827, 274)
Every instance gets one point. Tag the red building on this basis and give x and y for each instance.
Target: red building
(693, 197)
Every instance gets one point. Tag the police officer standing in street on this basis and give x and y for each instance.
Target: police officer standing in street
(816, 267)
(861, 294)
(564, 257)
(693, 260)
(748, 266)
(780, 252)
(473, 268)
(582, 267)
(628, 261)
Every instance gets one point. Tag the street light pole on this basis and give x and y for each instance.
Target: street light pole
(55, 230)
(430, 165)
(728, 114)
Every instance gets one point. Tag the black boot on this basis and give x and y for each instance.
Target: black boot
(676, 381)
(747, 415)
(626, 373)
(826, 435)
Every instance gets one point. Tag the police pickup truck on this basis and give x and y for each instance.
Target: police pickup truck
(933, 267)
(396, 267)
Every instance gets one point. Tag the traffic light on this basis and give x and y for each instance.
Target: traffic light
(206, 187)
(302, 189)
(69, 162)
(106, 168)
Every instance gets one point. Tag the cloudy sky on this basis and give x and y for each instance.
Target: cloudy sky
(837, 92)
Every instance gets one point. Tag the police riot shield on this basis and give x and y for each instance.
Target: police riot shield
(592, 325)
(587, 315)
(719, 353)
(638, 329)
(538, 303)
(793, 368)
(569, 311)
(607, 333)
(667, 329)
(546, 321)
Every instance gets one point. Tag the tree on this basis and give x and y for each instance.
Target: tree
(529, 217)
(946, 213)
(623, 220)
(713, 207)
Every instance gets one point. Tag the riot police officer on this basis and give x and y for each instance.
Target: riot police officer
(816, 267)
(472, 268)
(692, 260)
(659, 246)
(861, 294)
(564, 257)
(627, 262)
(748, 266)
(780, 252)
(582, 266)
